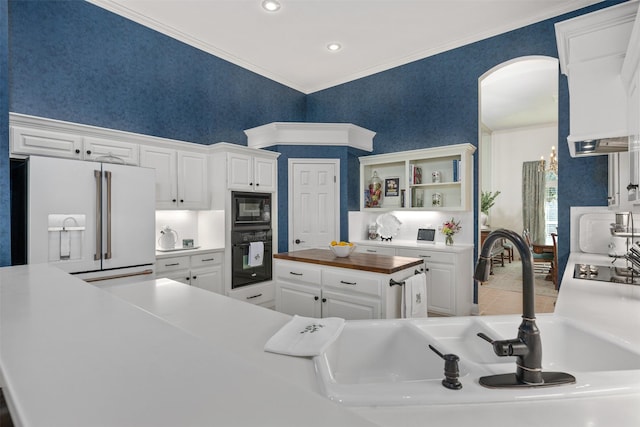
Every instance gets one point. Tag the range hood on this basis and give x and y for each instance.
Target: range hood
(592, 49)
(594, 147)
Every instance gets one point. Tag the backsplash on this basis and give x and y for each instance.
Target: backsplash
(411, 222)
(206, 228)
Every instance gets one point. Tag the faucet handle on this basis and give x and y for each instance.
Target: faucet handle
(514, 347)
(486, 338)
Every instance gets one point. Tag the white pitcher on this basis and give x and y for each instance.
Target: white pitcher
(168, 238)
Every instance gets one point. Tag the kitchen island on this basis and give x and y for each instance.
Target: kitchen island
(316, 283)
(161, 353)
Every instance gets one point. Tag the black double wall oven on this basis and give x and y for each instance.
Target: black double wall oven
(251, 238)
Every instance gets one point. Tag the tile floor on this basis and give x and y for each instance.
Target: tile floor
(497, 301)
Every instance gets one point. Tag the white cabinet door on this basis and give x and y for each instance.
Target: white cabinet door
(441, 288)
(192, 181)
(182, 276)
(45, 143)
(239, 172)
(293, 298)
(349, 307)
(633, 109)
(164, 162)
(97, 149)
(265, 174)
(208, 278)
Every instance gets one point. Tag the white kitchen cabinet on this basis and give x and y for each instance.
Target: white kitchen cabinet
(449, 279)
(439, 178)
(375, 250)
(250, 172)
(181, 177)
(322, 291)
(47, 141)
(203, 270)
(262, 294)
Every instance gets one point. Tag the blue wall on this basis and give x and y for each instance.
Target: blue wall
(71, 60)
(5, 229)
(434, 102)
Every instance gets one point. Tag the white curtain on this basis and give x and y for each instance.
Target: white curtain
(533, 188)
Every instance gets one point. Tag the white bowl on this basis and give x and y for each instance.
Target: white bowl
(342, 251)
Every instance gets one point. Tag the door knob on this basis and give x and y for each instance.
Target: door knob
(298, 241)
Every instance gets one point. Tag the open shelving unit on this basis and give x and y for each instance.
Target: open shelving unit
(439, 178)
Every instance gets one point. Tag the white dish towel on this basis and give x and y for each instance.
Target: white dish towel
(256, 254)
(414, 296)
(305, 336)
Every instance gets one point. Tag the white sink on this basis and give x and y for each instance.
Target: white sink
(388, 362)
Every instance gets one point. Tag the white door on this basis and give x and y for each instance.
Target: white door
(314, 206)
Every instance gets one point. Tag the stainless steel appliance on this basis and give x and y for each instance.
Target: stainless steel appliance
(91, 218)
(250, 210)
(242, 272)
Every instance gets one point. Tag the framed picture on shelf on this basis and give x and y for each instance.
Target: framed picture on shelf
(392, 187)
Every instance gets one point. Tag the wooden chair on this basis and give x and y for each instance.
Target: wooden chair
(539, 256)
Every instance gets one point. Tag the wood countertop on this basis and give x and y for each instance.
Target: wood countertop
(385, 264)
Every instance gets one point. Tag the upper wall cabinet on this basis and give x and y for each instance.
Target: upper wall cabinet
(592, 50)
(235, 167)
(181, 177)
(439, 178)
(45, 137)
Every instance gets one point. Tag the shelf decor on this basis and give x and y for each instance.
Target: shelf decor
(450, 228)
(446, 170)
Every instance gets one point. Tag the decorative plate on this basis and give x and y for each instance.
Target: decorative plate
(388, 225)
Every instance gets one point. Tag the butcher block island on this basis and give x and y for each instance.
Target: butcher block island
(316, 283)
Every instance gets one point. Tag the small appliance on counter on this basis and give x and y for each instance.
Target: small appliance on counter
(168, 238)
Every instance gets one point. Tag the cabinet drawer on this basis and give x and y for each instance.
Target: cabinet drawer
(172, 264)
(429, 256)
(255, 294)
(298, 272)
(376, 250)
(207, 259)
(347, 281)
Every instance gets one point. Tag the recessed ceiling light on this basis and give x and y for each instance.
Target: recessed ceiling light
(334, 47)
(271, 5)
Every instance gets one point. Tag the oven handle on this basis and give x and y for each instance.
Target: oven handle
(266, 242)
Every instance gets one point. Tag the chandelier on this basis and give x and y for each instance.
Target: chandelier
(553, 162)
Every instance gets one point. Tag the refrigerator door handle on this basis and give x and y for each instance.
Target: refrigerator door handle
(107, 255)
(98, 176)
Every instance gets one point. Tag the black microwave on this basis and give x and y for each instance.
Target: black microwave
(251, 209)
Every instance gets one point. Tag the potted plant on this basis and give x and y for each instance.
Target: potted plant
(487, 200)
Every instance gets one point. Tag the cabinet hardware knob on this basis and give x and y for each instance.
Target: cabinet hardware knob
(324, 300)
(632, 187)
(194, 277)
(77, 151)
(88, 152)
(173, 200)
(257, 184)
(251, 183)
(181, 201)
(316, 298)
(188, 278)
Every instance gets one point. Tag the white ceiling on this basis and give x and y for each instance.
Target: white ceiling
(289, 46)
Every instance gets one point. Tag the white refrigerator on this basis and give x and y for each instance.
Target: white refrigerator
(93, 219)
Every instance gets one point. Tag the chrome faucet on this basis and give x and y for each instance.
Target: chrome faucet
(527, 347)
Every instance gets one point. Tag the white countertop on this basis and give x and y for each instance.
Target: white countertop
(185, 252)
(413, 244)
(162, 353)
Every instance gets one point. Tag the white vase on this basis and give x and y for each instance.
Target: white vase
(484, 220)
